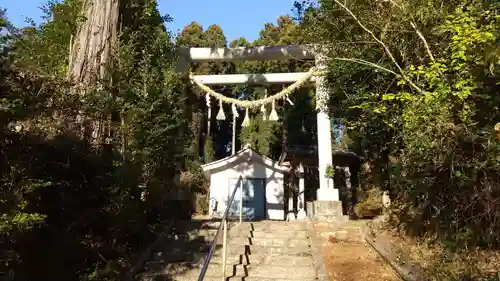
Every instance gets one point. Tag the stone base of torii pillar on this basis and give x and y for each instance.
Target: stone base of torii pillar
(301, 214)
(327, 194)
(291, 215)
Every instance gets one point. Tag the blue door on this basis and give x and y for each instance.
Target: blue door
(253, 198)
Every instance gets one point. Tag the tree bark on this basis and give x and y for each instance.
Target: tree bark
(89, 53)
(93, 42)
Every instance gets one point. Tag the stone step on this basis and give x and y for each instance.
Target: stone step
(330, 218)
(188, 271)
(213, 278)
(271, 250)
(341, 235)
(298, 234)
(268, 259)
(236, 229)
(249, 278)
(205, 232)
(194, 238)
(255, 229)
(269, 241)
(188, 237)
(169, 256)
(282, 232)
(278, 260)
(275, 226)
(209, 235)
(197, 224)
(180, 252)
(208, 228)
(288, 238)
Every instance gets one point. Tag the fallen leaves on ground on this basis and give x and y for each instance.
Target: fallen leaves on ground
(442, 264)
(348, 258)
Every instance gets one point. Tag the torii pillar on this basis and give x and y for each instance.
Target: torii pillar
(301, 213)
(326, 191)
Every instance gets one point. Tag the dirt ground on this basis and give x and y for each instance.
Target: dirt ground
(347, 257)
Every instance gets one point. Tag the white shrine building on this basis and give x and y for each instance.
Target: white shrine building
(262, 185)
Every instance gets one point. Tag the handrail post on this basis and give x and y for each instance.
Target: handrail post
(224, 251)
(241, 201)
(224, 227)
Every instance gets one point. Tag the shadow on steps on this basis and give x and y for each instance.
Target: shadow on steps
(178, 250)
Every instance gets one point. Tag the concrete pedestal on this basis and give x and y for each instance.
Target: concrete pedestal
(301, 214)
(327, 194)
(327, 211)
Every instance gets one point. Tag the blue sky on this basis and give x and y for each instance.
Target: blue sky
(236, 17)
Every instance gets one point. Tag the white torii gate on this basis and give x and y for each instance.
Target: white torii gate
(326, 191)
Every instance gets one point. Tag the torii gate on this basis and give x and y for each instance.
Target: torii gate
(326, 191)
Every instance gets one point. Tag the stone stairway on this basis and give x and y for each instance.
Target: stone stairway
(264, 250)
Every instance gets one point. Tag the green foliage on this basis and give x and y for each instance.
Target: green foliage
(202, 204)
(208, 150)
(295, 125)
(330, 172)
(457, 157)
(369, 203)
(436, 150)
(59, 194)
(15, 201)
(442, 139)
(45, 49)
(260, 135)
(15, 216)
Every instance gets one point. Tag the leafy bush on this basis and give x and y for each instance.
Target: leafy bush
(369, 203)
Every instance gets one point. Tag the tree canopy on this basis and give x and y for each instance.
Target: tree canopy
(99, 133)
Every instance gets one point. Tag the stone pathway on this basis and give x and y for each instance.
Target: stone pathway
(347, 256)
(257, 251)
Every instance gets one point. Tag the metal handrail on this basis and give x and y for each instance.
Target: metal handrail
(222, 225)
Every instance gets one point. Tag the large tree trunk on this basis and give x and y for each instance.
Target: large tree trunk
(90, 51)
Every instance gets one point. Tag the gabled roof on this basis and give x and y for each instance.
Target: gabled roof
(246, 154)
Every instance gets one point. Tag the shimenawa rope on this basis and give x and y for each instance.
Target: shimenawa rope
(256, 103)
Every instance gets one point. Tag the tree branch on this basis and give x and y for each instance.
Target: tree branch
(387, 50)
(420, 35)
(364, 62)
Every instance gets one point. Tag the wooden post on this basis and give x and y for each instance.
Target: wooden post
(241, 201)
(224, 250)
(209, 122)
(301, 214)
(233, 144)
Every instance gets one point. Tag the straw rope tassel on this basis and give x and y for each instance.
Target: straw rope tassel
(274, 115)
(246, 120)
(207, 100)
(235, 111)
(220, 114)
(287, 99)
(209, 107)
(263, 109)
